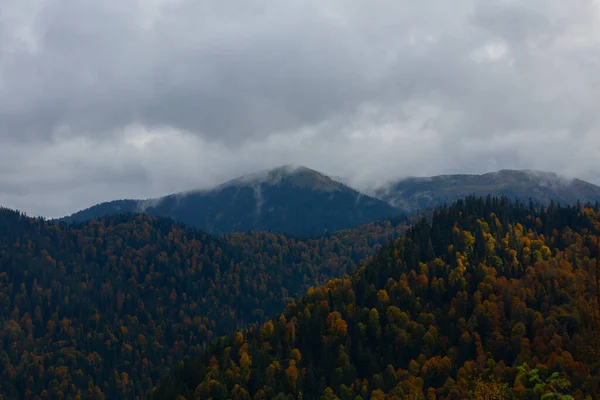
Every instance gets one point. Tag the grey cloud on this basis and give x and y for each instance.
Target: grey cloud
(102, 100)
(514, 22)
(96, 70)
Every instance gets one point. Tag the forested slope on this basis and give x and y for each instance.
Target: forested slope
(106, 307)
(489, 300)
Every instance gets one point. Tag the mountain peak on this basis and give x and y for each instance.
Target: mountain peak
(290, 198)
(296, 175)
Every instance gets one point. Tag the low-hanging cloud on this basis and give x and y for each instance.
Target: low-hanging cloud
(113, 99)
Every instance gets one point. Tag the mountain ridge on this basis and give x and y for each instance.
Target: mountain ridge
(417, 193)
(295, 199)
(288, 199)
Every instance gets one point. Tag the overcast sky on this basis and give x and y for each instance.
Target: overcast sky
(111, 99)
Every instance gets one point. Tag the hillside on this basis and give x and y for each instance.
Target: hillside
(488, 301)
(412, 194)
(106, 307)
(293, 200)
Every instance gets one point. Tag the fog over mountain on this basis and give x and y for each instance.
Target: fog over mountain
(121, 99)
(413, 194)
(329, 184)
(300, 201)
(289, 199)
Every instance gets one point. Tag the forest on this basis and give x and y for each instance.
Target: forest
(103, 309)
(482, 299)
(485, 300)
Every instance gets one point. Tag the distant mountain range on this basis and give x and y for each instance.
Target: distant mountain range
(301, 201)
(294, 200)
(412, 194)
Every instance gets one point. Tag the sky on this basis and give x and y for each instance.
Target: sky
(111, 99)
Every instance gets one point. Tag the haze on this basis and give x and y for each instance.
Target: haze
(111, 99)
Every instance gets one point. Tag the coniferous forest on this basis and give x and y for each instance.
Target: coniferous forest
(481, 299)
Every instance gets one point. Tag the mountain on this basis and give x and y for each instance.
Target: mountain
(488, 300)
(301, 201)
(294, 200)
(103, 309)
(412, 194)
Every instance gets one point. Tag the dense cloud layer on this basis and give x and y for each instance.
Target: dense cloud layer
(110, 99)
